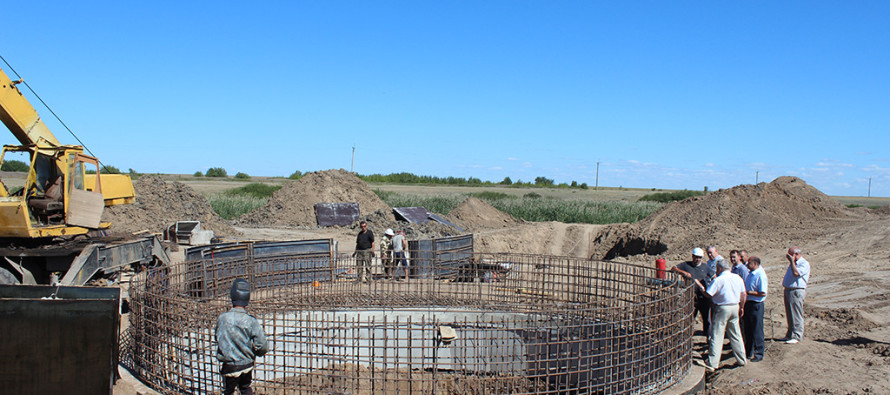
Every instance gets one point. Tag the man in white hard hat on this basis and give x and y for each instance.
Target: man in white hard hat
(386, 252)
(696, 270)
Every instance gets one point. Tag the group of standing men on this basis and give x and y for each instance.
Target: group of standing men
(393, 253)
(729, 297)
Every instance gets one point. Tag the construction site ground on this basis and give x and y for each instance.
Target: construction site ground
(846, 346)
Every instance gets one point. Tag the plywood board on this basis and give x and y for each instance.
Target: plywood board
(85, 209)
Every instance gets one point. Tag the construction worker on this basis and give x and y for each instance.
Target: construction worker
(240, 339)
(386, 252)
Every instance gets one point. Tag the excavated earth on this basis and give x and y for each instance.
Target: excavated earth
(846, 347)
(160, 204)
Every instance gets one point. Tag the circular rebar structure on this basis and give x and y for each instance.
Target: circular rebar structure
(467, 324)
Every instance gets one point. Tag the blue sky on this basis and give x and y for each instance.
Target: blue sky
(680, 94)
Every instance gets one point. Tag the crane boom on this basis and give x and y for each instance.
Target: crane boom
(20, 117)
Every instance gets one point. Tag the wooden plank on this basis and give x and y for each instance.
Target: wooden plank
(85, 209)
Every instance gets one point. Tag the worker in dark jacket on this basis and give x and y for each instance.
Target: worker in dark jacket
(240, 339)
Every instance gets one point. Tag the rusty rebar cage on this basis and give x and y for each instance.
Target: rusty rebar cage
(474, 324)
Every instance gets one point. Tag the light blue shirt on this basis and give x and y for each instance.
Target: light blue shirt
(741, 270)
(757, 282)
(712, 263)
(792, 281)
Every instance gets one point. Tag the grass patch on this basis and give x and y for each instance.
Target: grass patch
(667, 197)
(255, 189)
(231, 206)
(533, 208)
(576, 211)
(440, 204)
(491, 195)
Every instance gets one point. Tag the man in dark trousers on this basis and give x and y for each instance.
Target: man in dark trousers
(696, 270)
(240, 339)
(364, 251)
(756, 286)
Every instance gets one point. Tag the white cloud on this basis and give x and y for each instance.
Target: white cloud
(876, 168)
(512, 159)
(527, 164)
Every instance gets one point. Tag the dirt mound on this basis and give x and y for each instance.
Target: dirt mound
(474, 213)
(846, 319)
(159, 204)
(294, 203)
(775, 214)
(380, 220)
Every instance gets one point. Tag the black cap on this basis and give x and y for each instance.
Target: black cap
(240, 292)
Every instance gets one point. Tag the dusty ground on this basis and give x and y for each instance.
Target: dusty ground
(846, 347)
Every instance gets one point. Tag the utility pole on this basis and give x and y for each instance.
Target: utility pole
(596, 186)
(352, 165)
(869, 187)
(756, 177)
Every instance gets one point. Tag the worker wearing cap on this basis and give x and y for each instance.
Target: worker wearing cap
(239, 339)
(696, 270)
(386, 252)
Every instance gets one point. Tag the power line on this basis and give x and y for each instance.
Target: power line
(46, 105)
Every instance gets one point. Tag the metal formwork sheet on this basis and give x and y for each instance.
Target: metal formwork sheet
(441, 257)
(282, 262)
(336, 214)
(444, 221)
(417, 215)
(62, 345)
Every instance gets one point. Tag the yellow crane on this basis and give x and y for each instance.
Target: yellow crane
(59, 198)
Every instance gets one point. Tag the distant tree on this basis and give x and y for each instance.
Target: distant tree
(583, 185)
(216, 172)
(507, 181)
(198, 174)
(109, 169)
(14, 165)
(543, 181)
(242, 176)
(474, 181)
(296, 175)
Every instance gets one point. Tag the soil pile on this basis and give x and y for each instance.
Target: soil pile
(381, 220)
(294, 203)
(773, 214)
(159, 204)
(474, 214)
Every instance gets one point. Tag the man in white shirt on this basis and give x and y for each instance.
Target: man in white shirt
(727, 291)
